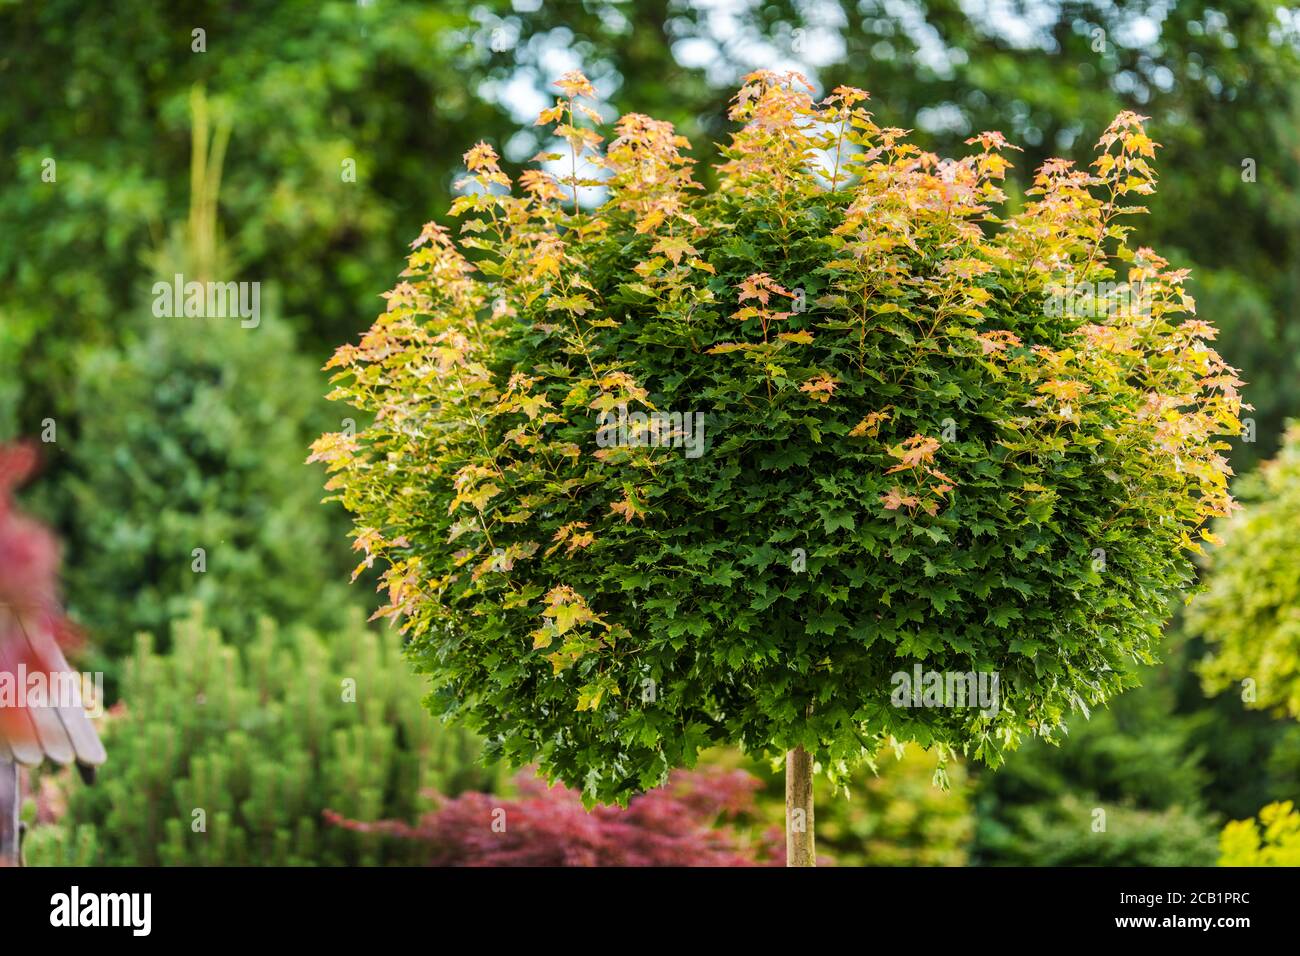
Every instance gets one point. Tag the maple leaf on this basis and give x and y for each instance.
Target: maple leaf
(846, 95)
(820, 387)
(869, 425)
(761, 286)
(674, 247)
(630, 507)
(997, 341)
(575, 83)
(482, 157)
(571, 538)
(917, 450)
(551, 114)
(895, 499)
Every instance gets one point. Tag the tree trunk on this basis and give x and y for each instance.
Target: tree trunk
(800, 845)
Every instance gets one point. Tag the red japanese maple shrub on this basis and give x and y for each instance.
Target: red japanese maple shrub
(688, 822)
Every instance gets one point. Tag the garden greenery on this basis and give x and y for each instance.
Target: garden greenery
(1275, 843)
(193, 427)
(938, 431)
(230, 754)
(223, 474)
(1250, 613)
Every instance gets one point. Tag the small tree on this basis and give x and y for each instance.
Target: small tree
(691, 467)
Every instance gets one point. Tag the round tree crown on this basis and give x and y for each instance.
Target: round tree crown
(837, 452)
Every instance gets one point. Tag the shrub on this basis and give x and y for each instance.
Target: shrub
(1242, 843)
(932, 441)
(1249, 616)
(1063, 831)
(260, 739)
(1250, 613)
(1138, 758)
(191, 437)
(677, 825)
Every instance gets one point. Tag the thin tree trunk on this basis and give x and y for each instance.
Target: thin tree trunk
(800, 845)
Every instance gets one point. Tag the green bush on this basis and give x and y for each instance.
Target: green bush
(1244, 843)
(192, 436)
(181, 474)
(1065, 831)
(1248, 757)
(1249, 618)
(262, 739)
(1250, 613)
(1136, 759)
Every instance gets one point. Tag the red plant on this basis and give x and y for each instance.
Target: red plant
(685, 823)
(29, 565)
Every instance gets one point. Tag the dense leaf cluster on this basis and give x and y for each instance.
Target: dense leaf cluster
(937, 434)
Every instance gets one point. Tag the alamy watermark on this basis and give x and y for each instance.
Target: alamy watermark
(1096, 300)
(208, 300)
(946, 689)
(133, 911)
(33, 689)
(652, 430)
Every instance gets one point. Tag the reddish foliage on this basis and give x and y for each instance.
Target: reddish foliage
(29, 564)
(685, 823)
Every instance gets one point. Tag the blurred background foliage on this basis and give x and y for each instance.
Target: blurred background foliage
(892, 814)
(225, 756)
(173, 434)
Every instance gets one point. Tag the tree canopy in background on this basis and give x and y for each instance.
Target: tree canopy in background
(390, 85)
